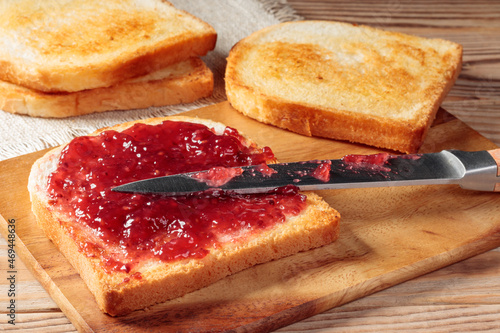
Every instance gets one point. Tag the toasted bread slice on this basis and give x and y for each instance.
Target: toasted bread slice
(73, 45)
(183, 82)
(153, 280)
(343, 81)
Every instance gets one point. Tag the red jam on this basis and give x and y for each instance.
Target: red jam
(144, 226)
(373, 162)
(217, 176)
(322, 172)
(265, 170)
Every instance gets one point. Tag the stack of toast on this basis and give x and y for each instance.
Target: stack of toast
(67, 58)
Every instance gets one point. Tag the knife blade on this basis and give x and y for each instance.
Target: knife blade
(479, 170)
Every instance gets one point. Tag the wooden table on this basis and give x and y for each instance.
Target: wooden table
(464, 296)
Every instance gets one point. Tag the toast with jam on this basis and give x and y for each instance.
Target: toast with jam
(343, 81)
(136, 250)
(183, 82)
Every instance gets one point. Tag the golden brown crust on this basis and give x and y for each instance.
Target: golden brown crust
(403, 136)
(184, 82)
(353, 83)
(316, 226)
(122, 40)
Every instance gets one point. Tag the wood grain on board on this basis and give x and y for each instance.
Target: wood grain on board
(388, 235)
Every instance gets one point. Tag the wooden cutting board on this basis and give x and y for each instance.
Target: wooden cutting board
(388, 235)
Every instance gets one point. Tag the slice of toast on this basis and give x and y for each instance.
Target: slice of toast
(343, 81)
(73, 45)
(183, 82)
(102, 262)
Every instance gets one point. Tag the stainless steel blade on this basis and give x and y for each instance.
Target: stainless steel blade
(471, 170)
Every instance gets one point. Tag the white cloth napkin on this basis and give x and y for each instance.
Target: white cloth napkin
(232, 19)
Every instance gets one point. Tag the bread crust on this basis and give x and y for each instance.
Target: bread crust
(183, 82)
(381, 119)
(45, 50)
(119, 293)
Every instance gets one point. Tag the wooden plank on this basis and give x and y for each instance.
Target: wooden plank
(465, 295)
(416, 13)
(388, 236)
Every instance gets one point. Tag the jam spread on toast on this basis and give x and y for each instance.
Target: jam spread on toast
(128, 228)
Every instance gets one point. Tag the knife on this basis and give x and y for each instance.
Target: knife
(479, 170)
